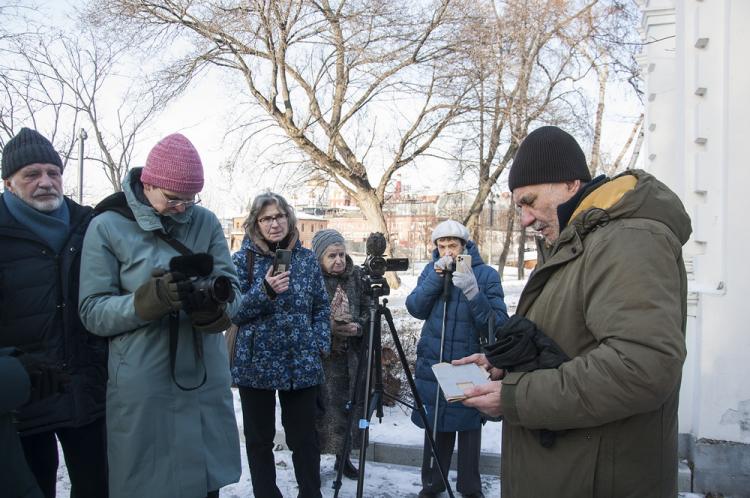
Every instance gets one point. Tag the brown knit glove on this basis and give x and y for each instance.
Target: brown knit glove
(162, 293)
(210, 322)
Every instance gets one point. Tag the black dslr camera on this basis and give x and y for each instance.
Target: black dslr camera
(198, 268)
(376, 265)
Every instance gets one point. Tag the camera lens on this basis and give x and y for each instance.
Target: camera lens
(221, 289)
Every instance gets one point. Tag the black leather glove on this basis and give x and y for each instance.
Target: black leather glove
(162, 293)
(522, 347)
(46, 378)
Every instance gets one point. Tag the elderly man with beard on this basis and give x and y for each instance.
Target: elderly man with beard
(41, 233)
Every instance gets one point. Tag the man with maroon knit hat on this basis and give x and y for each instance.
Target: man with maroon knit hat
(610, 290)
(171, 430)
(41, 234)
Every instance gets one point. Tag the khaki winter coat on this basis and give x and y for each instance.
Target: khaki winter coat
(612, 293)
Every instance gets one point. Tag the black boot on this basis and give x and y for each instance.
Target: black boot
(350, 470)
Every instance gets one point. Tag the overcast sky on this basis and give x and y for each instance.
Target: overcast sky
(206, 110)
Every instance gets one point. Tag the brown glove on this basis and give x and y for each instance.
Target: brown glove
(210, 322)
(162, 293)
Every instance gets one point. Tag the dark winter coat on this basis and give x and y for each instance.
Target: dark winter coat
(16, 480)
(162, 442)
(612, 294)
(340, 366)
(465, 320)
(39, 312)
(280, 340)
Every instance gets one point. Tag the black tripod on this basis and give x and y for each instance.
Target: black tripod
(370, 387)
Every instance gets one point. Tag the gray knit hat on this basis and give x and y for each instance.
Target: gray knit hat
(450, 228)
(324, 238)
(28, 147)
(548, 155)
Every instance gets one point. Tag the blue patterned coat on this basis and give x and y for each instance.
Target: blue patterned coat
(465, 320)
(281, 340)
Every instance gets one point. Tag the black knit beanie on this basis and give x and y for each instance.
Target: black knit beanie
(548, 155)
(28, 147)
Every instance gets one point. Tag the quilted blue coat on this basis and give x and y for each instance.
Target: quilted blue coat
(280, 341)
(465, 321)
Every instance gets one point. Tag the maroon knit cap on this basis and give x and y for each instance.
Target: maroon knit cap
(175, 165)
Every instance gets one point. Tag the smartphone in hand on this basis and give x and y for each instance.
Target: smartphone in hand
(463, 263)
(282, 258)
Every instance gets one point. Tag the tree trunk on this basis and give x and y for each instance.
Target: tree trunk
(636, 150)
(521, 251)
(508, 241)
(373, 212)
(473, 219)
(634, 132)
(603, 73)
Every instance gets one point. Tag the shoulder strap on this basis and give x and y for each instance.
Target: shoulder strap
(174, 323)
(178, 246)
(117, 203)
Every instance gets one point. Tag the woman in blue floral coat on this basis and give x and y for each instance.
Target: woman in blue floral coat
(284, 331)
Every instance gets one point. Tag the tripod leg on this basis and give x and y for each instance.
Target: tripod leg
(357, 395)
(364, 422)
(417, 399)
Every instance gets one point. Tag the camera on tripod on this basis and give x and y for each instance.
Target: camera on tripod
(376, 265)
(198, 268)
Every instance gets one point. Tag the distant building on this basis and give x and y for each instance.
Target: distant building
(410, 218)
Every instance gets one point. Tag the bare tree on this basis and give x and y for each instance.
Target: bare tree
(54, 81)
(526, 60)
(611, 49)
(29, 99)
(327, 73)
(526, 64)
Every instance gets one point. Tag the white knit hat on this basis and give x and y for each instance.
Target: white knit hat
(450, 228)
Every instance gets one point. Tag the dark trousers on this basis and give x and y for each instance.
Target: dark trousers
(298, 418)
(469, 447)
(85, 451)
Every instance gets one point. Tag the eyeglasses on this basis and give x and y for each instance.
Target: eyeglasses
(267, 221)
(175, 203)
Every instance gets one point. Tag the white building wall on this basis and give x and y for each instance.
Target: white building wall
(697, 141)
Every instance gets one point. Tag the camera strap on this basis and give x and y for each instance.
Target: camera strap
(174, 323)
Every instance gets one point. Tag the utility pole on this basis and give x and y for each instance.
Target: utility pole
(82, 136)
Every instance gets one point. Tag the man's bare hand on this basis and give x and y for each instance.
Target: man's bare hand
(481, 360)
(486, 398)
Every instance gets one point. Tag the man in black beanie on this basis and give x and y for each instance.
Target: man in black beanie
(41, 233)
(610, 289)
